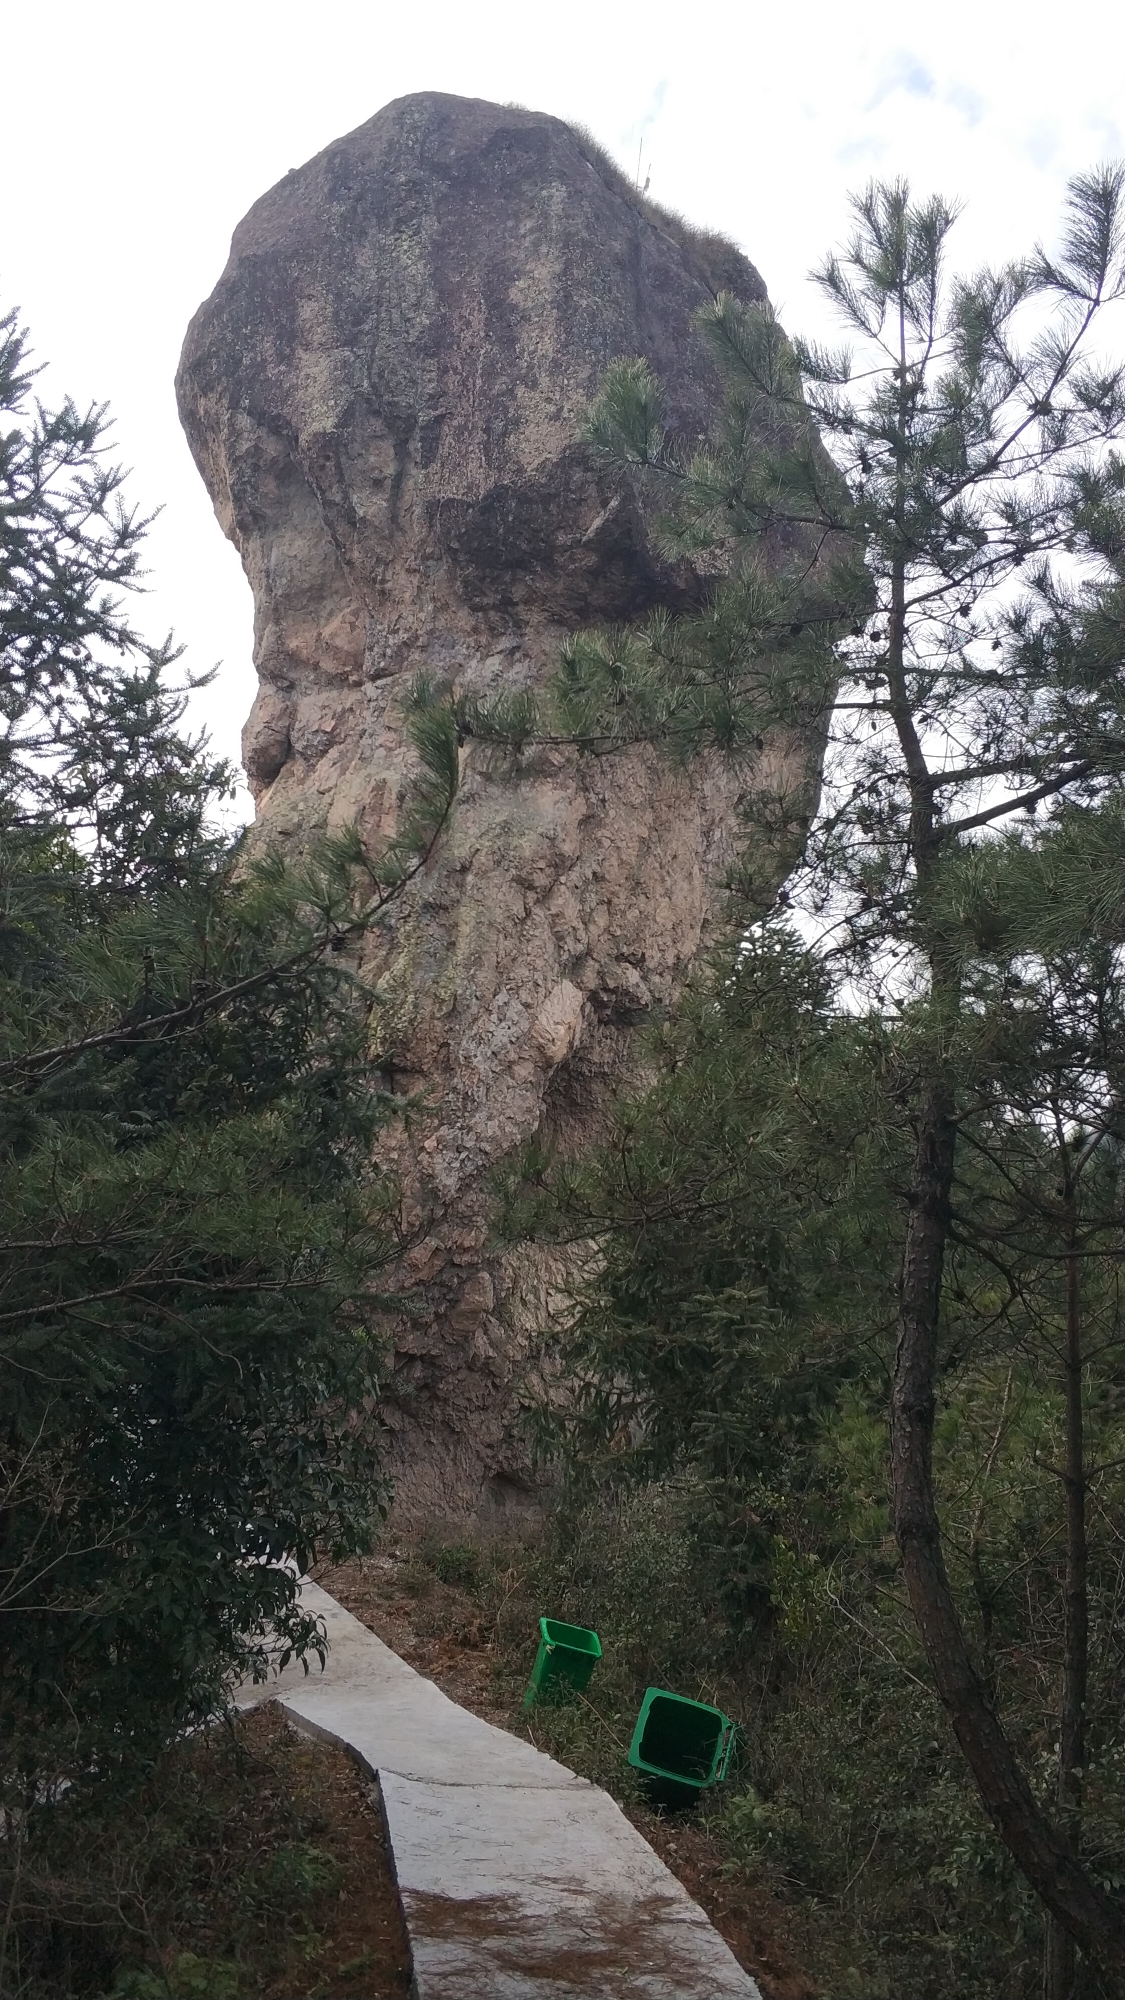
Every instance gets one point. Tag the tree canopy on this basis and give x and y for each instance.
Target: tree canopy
(193, 1229)
(919, 549)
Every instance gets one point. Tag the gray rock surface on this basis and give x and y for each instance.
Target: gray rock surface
(519, 1880)
(384, 394)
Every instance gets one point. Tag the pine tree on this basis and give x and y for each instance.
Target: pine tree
(946, 581)
(1037, 1223)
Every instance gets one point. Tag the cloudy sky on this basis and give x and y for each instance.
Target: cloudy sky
(137, 132)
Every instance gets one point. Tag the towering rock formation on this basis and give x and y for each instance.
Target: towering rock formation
(383, 394)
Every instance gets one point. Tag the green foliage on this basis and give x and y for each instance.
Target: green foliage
(219, 1878)
(956, 568)
(847, 1799)
(971, 429)
(628, 419)
(746, 1238)
(188, 1977)
(728, 1430)
(432, 731)
(192, 1232)
(87, 723)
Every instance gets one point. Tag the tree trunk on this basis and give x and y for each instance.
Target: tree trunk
(1060, 1963)
(1043, 1855)
(1061, 1966)
(1072, 1719)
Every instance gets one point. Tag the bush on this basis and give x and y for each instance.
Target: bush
(220, 1878)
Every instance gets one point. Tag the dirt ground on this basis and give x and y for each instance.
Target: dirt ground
(443, 1635)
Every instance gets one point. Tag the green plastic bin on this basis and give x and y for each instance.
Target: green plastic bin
(680, 1747)
(566, 1658)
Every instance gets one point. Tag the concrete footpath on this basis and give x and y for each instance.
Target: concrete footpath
(519, 1880)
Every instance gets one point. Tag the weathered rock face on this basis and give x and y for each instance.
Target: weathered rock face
(383, 394)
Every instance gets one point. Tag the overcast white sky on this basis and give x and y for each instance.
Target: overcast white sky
(136, 133)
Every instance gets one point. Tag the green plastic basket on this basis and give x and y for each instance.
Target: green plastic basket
(566, 1658)
(680, 1747)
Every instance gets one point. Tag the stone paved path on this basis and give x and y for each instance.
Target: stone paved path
(519, 1880)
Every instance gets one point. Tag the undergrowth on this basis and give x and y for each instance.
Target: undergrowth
(241, 1870)
(847, 1801)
